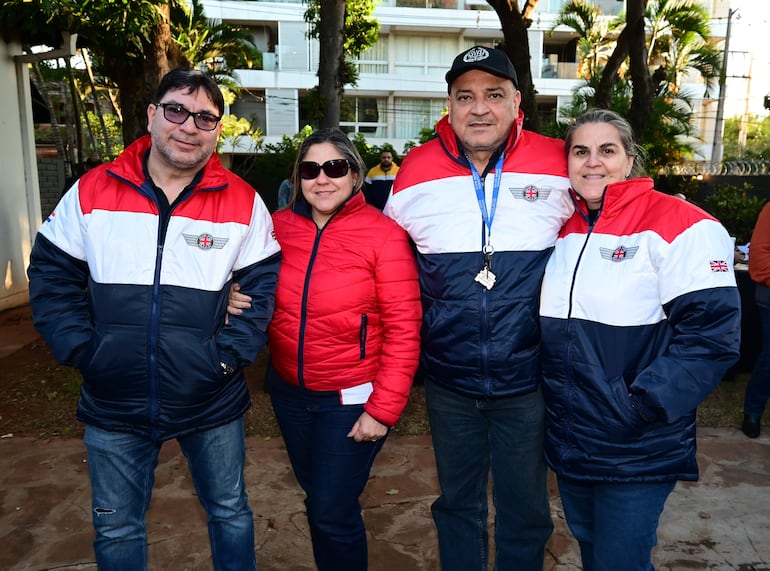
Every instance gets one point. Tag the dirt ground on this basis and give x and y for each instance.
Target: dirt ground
(39, 396)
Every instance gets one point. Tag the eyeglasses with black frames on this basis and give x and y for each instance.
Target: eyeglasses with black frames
(178, 114)
(335, 168)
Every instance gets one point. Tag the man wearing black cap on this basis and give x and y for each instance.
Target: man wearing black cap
(484, 203)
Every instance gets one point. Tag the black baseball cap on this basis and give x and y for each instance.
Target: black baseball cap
(491, 60)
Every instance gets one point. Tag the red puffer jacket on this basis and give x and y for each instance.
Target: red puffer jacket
(348, 306)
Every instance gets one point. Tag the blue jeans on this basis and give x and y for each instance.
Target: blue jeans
(122, 468)
(758, 389)
(331, 468)
(615, 524)
(470, 437)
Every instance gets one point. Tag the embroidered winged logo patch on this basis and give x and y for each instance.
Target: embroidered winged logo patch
(618, 254)
(531, 193)
(205, 241)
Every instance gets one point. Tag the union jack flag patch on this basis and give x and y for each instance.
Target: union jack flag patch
(719, 266)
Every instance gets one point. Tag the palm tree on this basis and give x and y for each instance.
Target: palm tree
(668, 139)
(678, 39)
(594, 38)
(218, 48)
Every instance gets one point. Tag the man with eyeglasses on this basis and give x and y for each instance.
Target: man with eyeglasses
(129, 278)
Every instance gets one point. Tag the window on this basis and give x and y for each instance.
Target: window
(412, 115)
(418, 55)
(366, 115)
(374, 59)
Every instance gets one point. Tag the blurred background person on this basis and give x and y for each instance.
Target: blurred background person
(379, 180)
(285, 189)
(758, 389)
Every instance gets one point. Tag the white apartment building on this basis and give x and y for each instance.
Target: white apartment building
(401, 87)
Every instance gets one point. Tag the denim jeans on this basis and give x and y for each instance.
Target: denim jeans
(331, 468)
(122, 468)
(615, 524)
(758, 389)
(470, 437)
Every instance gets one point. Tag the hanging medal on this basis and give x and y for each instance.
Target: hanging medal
(485, 276)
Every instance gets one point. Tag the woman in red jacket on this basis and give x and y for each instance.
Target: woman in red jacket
(344, 339)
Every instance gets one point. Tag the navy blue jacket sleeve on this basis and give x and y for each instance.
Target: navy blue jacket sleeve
(241, 340)
(57, 296)
(705, 344)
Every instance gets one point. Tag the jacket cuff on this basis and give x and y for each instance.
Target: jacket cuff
(644, 412)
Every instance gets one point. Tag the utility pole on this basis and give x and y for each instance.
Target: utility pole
(717, 147)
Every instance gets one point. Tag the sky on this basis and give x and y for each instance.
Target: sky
(749, 55)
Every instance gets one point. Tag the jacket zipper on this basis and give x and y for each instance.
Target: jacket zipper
(362, 335)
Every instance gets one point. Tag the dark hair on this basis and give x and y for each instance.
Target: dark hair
(623, 127)
(345, 147)
(192, 80)
(92, 162)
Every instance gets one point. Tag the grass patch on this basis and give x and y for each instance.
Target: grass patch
(724, 407)
(40, 399)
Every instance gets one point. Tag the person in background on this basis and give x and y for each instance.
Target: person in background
(483, 203)
(640, 319)
(80, 170)
(344, 340)
(285, 189)
(128, 282)
(758, 388)
(379, 180)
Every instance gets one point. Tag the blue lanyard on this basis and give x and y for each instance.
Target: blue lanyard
(478, 184)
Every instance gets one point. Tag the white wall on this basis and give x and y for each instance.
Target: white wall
(19, 197)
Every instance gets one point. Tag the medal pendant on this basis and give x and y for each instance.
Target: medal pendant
(486, 278)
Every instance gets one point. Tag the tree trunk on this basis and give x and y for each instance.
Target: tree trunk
(516, 44)
(603, 96)
(161, 55)
(643, 91)
(331, 60)
(77, 111)
(97, 108)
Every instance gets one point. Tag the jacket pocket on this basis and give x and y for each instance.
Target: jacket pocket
(362, 332)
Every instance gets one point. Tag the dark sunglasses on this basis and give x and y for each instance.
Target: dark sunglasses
(177, 114)
(334, 168)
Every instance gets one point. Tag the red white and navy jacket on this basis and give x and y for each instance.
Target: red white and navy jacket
(640, 317)
(136, 299)
(481, 342)
(348, 313)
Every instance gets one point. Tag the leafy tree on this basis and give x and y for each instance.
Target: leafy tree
(594, 41)
(514, 23)
(737, 208)
(210, 44)
(234, 128)
(343, 29)
(680, 36)
(757, 146)
(134, 43)
(664, 142)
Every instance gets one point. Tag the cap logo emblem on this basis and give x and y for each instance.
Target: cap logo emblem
(476, 54)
